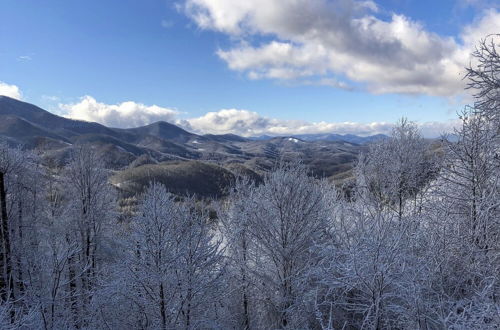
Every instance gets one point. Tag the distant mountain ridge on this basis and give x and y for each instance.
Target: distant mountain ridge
(32, 127)
(60, 127)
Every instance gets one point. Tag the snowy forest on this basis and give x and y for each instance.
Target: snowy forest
(413, 243)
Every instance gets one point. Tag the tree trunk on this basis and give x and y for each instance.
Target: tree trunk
(20, 276)
(246, 316)
(72, 289)
(6, 278)
(162, 308)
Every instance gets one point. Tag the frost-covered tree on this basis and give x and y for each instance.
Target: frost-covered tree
(395, 171)
(470, 181)
(464, 228)
(484, 79)
(173, 265)
(464, 211)
(10, 161)
(90, 209)
(235, 226)
(21, 200)
(284, 217)
(369, 275)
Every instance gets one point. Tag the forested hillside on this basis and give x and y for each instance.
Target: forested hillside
(32, 128)
(414, 244)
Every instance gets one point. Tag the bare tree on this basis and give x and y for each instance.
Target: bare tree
(286, 217)
(90, 209)
(235, 224)
(396, 171)
(173, 264)
(10, 161)
(483, 76)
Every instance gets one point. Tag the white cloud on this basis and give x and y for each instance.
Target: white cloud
(340, 40)
(235, 121)
(24, 58)
(123, 115)
(10, 90)
(249, 123)
(241, 122)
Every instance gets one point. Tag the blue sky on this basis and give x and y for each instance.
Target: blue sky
(247, 67)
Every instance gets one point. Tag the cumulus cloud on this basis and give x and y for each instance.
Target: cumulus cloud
(249, 123)
(235, 121)
(341, 41)
(10, 90)
(122, 115)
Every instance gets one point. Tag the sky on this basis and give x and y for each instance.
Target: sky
(249, 67)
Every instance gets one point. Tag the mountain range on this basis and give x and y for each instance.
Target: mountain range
(166, 145)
